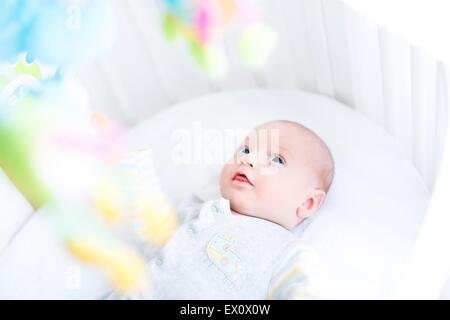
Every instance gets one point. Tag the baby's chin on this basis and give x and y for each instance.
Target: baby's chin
(244, 206)
(238, 203)
(245, 210)
(238, 208)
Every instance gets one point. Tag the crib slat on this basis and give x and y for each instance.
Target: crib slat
(301, 61)
(101, 97)
(14, 210)
(334, 14)
(365, 65)
(129, 70)
(278, 71)
(396, 66)
(238, 76)
(318, 44)
(423, 69)
(177, 75)
(441, 117)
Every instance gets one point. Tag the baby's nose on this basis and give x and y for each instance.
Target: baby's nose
(249, 160)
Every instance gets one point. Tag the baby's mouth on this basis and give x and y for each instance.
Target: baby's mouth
(242, 178)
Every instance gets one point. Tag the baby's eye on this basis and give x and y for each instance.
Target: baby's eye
(245, 150)
(277, 159)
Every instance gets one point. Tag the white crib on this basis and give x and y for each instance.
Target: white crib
(324, 47)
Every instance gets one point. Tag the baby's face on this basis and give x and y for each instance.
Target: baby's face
(272, 175)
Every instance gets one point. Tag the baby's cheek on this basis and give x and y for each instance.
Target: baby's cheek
(269, 188)
(225, 173)
(277, 189)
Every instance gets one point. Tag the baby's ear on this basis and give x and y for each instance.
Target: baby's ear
(311, 204)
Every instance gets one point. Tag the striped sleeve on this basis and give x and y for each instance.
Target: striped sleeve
(297, 276)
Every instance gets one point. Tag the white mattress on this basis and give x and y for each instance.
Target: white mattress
(363, 234)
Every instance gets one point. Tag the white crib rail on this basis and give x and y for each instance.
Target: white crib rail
(324, 47)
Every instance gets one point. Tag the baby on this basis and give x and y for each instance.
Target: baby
(240, 246)
(291, 192)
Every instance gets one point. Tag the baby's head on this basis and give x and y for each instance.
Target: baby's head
(281, 173)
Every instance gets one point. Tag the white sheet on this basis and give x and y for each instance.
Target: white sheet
(363, 233)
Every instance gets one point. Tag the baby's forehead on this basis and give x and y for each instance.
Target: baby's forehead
(291, 140)
(286, 135)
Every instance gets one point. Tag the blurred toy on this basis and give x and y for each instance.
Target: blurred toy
(62, 155)
(204, 23)
(105, 203)
(64, 33)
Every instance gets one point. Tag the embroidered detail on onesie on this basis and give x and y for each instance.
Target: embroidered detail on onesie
(220, 252)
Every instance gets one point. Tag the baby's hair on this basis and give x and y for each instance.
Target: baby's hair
(327, 171)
